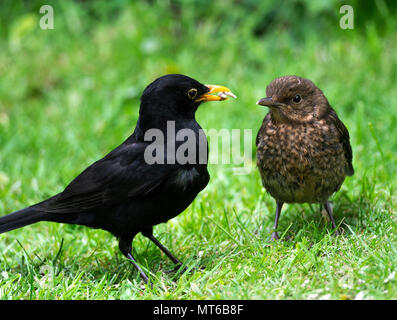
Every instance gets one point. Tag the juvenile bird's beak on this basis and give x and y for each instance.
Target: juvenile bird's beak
(269, 102)
(223, 94)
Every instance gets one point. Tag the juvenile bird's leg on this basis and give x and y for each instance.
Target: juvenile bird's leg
(125, 246)
(328, 208)
(278, 212)
(174, 259)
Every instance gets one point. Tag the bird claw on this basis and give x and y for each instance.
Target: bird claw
(181, 269)
(177, 269)
(274, 236)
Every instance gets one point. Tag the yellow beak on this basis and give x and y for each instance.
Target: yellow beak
(223, 94)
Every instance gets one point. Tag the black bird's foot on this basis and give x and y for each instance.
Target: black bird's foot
(125, 245)
(144, 277)
(178, 269)
(174, 259)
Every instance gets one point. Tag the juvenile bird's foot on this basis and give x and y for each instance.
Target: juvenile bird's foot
(279, 206)
(328, 209)
(274, 236)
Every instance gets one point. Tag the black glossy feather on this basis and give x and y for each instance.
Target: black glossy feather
(119, 176)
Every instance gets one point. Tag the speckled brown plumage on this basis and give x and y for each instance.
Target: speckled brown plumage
(303, 149)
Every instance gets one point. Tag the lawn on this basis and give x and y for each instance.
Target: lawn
(70, 95)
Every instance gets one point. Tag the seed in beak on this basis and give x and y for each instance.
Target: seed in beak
(225, 94)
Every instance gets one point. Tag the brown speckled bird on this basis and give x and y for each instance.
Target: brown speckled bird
(303, 149)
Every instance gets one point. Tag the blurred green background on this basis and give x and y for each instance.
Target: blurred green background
(71, 94)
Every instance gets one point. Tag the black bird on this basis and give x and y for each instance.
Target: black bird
(137, 186)
(303, 148)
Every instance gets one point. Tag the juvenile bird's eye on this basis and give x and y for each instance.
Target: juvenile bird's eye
(192, 93)
(297, 98)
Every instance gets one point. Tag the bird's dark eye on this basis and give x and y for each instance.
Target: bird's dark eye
(192, 93)
(297, 98)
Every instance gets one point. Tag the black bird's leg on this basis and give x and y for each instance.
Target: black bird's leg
(328, 208)
(279, 205)
(165, 250)
(125, 246)
(174, 259)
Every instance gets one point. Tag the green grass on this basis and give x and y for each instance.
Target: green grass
(70, 95)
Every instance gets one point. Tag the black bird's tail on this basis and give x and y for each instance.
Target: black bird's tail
(21, 218)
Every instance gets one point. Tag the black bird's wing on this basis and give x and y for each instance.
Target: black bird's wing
(120, 175)
(344, 139)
